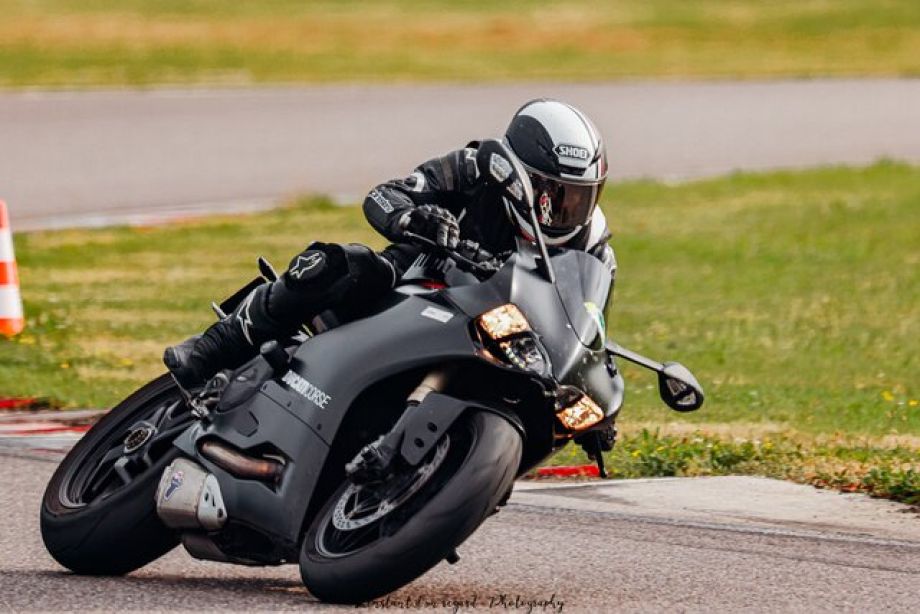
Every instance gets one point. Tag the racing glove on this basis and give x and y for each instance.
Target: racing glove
(432, 222)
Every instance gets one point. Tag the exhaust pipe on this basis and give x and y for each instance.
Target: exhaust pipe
(240, 465)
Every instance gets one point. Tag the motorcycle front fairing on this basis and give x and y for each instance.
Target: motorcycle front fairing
(566, 316)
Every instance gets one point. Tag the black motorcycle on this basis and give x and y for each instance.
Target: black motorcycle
(369, 450)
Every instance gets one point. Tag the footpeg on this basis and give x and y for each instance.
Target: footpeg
(203, 401)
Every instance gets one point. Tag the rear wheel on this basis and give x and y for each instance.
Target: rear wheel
(371, 540)
(98, 513)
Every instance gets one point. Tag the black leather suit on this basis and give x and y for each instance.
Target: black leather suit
(348, 278)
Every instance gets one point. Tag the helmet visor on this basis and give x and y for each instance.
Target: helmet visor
(562, 205)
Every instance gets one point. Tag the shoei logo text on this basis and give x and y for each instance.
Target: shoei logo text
(572, 151)
(306, 389)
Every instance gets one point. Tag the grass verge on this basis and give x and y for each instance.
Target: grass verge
(843, 463)
(138, 42)
(794, 296)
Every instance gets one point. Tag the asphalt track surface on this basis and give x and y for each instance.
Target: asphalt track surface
(71, 158)
(532, 554)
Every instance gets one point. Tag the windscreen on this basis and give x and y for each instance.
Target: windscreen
(583, 283)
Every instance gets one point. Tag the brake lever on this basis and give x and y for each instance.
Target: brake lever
(471, 265)
(460, 260)
(422, 241)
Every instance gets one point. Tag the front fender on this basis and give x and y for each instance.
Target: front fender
(425, 424)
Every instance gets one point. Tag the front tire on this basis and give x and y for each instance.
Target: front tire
(98, 514)
(463, 490)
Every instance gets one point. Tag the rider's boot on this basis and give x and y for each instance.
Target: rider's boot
(226, 344)
(274, 310)
(321, 277)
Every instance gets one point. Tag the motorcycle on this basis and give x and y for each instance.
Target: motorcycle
(369, 450)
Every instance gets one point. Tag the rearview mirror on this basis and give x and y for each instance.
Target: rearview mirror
(499, 166)
(678, 387)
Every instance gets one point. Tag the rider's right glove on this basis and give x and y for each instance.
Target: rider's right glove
(432, 222)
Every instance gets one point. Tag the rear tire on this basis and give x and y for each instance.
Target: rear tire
(114, 529)
(479, 469)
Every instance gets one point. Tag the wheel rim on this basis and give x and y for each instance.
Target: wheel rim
(126, 451)
(360, 513)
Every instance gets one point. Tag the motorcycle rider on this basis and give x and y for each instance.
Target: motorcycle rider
(443, 199)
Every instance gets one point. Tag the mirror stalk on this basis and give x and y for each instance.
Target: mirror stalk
(677, 386)
(546, 269)
(634, 357)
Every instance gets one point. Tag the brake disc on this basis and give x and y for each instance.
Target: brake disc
(361, 505)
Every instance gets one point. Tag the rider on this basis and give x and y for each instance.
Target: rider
(443, 199)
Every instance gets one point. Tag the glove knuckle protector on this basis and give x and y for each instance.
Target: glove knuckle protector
(435, 223)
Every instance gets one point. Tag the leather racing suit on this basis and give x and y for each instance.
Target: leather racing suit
(336, 277)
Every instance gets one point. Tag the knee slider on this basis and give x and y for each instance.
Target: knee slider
(326, 275)
(317, 266)
(315, 280)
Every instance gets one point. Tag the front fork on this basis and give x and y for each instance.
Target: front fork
(435, 381)
(375, 460)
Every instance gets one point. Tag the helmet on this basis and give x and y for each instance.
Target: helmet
(565, 158)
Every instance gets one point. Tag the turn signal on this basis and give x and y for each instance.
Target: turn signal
(504, 321)
(583, 413)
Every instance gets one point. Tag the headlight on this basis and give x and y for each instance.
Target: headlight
(503, 322)
(581, 414)
(524, 353)
(509, 338)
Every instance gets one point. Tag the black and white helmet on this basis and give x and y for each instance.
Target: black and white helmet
(565, 158)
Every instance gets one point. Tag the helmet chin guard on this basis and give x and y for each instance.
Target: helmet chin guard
(526, 229)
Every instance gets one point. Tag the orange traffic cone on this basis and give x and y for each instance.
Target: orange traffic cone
(11, 319)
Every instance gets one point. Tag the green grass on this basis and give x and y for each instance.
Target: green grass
(795, 296)
(135, 42)
(890, 472)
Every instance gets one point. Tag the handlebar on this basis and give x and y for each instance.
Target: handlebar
(468, 256)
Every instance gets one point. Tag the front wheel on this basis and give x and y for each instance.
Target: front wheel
(368, 541)
(98, 514)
